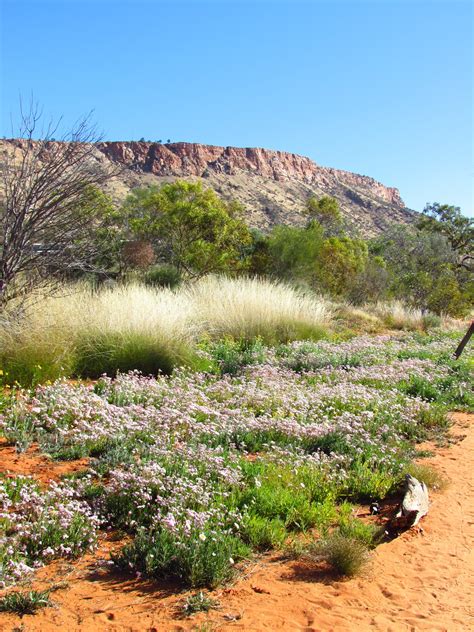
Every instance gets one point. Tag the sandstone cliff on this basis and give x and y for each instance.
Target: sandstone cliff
(272, 185)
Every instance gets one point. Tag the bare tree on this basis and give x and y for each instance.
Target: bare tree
(50, 203)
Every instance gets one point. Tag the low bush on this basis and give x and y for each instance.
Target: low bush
(198, 602)
(231, 356)
(22, 603)
(200, 559)
(347, 555)
(163, 276)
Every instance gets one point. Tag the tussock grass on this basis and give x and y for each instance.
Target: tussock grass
(347, 556)
(397, 315)
(256, 308)
(133, 327)
(89, 333)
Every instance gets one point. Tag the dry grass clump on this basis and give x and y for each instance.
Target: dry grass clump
(357, 318)
(133, 327)
(397, 315)
(38, 344)
(90, 333)
(250, 308)
(346, 555)
(426, 474)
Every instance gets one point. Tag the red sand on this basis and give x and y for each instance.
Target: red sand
(415, 582)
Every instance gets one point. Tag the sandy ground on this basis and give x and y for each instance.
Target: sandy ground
(419, 581)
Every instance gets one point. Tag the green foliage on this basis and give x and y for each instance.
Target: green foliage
(326, 213)
(368, 534)
(341, 260)
(370, 283)
(22, 603)
(259, 256)
(163, 276)
(298, 500)
(448, 221)
(294, 252)
(198, 602)
(366, 483)
(204, 560)
(231, 356)
(190, 226)
(424, 268)
(263, 534)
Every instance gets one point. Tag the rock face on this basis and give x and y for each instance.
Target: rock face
(273, 186)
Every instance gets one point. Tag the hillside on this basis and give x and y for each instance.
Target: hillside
(272, 185)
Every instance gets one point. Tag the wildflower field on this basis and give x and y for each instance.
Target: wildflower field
(200, 471)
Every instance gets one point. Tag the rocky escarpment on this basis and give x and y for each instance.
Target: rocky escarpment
(273, 186)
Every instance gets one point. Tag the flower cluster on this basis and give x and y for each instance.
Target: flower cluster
(204, 464)
(37, 526)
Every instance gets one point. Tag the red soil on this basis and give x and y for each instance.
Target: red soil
(33, 463)
(419, 581)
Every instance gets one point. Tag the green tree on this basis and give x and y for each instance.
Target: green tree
(448, 221)
(190, 227)
(326, 212)
(294, 252)
(340, 261)
(258, 254)
(371, 283)
(423, 269)
(448, 295)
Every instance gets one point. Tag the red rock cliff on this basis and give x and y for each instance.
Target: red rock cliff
(190, 159)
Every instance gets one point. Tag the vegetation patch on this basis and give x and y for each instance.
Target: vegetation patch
(203, 469)
(22, 603)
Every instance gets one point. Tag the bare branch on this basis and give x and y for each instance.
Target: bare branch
(49, 203)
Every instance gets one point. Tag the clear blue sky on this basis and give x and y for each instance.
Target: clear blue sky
(382, 88)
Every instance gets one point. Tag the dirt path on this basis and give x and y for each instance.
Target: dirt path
(416, 582)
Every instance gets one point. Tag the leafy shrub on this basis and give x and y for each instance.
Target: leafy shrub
(232, 356)
(202, 559)
(163, 276)
(262, 533)
(368, 534)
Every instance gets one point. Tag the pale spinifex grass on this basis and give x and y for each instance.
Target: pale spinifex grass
(83, 331)
(398, 315)
(251, 307)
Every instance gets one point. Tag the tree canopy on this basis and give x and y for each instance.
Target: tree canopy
(190, 226)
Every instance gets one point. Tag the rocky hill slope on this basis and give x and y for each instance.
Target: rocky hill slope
(272, 185)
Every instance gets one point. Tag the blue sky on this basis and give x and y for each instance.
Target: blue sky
(382, 88)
